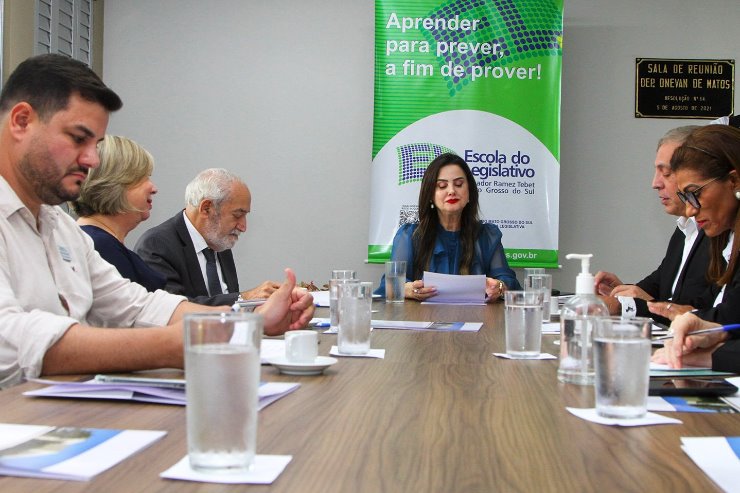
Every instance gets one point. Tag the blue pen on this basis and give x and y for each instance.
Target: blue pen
(724, 328)
(322, 324)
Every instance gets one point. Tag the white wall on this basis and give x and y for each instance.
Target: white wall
(281, 92)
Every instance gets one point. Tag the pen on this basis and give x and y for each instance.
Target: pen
(724, 328)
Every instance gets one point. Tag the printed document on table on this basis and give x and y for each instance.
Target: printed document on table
(76, 454)
(431, 326)
(268, 392)
(718, 457)
(459, 290)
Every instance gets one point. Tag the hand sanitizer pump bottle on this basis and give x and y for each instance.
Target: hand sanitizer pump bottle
(577, 319)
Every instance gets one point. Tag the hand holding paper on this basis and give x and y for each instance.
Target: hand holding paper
(464, 290)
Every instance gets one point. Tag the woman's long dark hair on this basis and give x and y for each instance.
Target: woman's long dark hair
(713, 151)
(426, 233)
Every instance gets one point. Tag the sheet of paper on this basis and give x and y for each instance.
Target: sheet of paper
(550, 327)
(320, 298)
(265, 470)
(76, 454)
(718, 457)
(373, 353)
(589, 414)
(460, 290)
(541, 356)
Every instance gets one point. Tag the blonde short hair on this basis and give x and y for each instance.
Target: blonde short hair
(123, 164)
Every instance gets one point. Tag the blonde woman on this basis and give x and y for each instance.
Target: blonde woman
(114, 199)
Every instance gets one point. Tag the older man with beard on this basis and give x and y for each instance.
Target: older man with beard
(193, 248)
(63, 309)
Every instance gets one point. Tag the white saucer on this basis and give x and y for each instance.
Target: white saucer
(320, 364)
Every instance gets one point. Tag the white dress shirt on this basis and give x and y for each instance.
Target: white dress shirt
(688, 227)
(51, 278)
(199, 243)
(726, 254)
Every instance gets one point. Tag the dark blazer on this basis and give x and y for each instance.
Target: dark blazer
(728, 311)
(727, 357)
(168, 249)
(692, 284)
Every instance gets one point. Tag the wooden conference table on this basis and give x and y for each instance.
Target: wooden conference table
(438, 414)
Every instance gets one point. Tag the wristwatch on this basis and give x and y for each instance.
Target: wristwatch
(501, 287)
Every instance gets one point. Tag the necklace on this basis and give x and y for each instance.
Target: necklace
(104, 226)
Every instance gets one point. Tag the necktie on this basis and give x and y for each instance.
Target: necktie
(214, 284)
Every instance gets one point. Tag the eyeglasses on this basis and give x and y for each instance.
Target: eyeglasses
(692, 197)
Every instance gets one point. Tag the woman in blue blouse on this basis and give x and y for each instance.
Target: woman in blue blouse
(114, 199)
(449, 237)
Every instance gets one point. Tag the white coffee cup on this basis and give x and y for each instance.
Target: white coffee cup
(301, 346)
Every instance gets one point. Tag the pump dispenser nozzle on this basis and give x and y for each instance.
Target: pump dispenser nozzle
(584, 280)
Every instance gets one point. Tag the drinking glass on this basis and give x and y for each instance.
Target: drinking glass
(622, 365)
(222, 372)
(523, 323)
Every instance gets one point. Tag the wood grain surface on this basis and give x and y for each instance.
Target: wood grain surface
(438, 414)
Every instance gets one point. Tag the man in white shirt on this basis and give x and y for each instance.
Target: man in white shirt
(681, 276)
(56, 293)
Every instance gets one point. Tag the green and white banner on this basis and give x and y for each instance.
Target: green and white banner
(480, 78)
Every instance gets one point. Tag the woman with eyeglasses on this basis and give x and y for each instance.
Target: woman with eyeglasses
(707, 172)
(449, 237)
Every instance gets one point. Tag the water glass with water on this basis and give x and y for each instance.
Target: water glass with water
(338, 277)
(395, 281)
(222, 371)
(530, 271)
(523, 323)
(622, 364)
(541, 282)
(355, 305)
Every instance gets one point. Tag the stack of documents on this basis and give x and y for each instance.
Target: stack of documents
(160, 391)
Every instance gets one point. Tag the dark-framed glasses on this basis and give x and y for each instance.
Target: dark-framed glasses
(692, 197)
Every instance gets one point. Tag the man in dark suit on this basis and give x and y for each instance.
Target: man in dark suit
(682, 275)
(193, 248)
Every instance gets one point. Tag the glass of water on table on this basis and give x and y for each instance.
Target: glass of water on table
(622, 365)
(338, 277)
(222, 372)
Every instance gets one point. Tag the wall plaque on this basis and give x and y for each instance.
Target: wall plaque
(673, 88)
